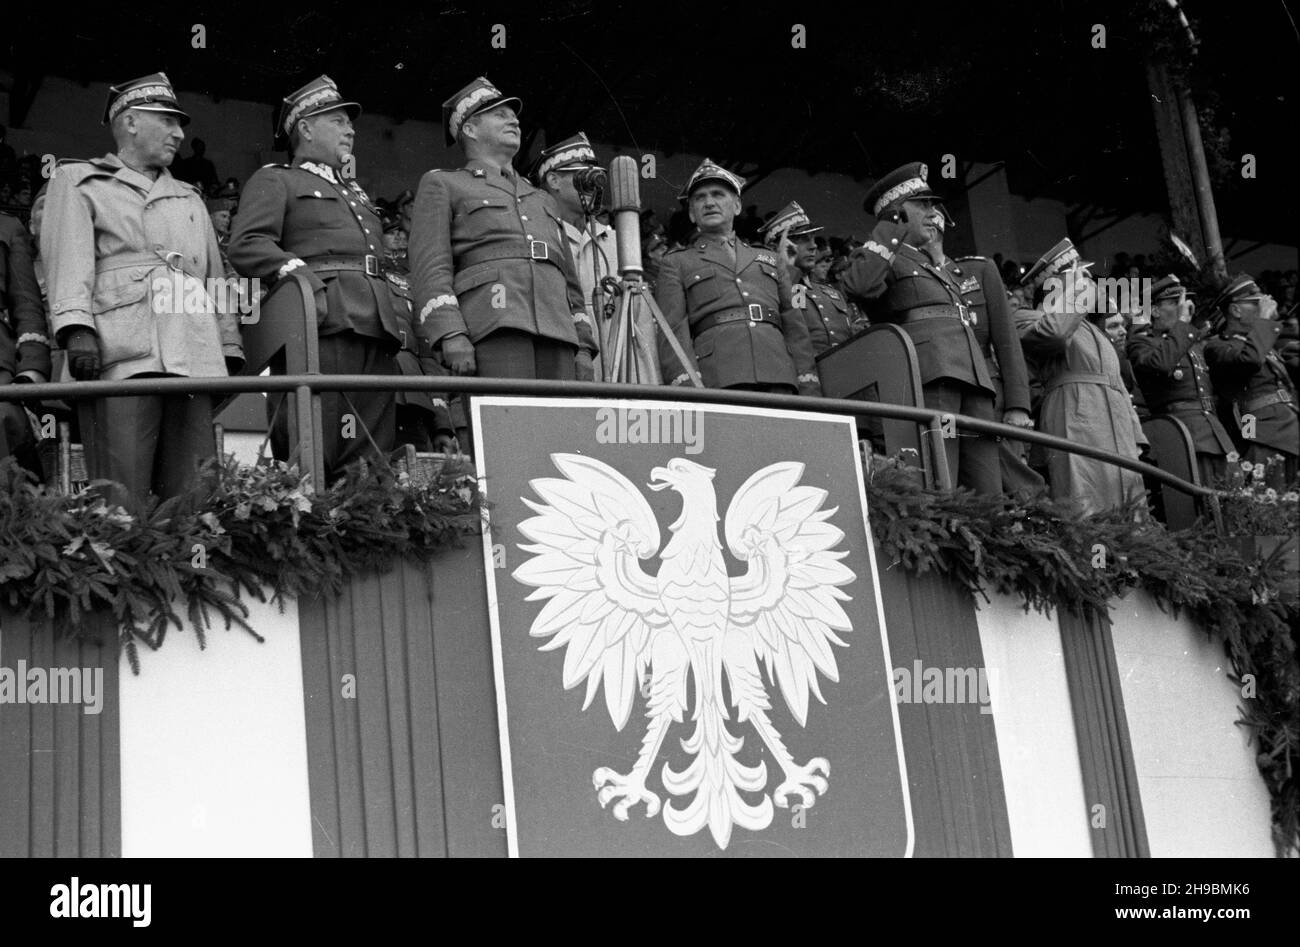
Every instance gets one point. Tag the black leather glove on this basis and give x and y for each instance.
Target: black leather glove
(82, 346)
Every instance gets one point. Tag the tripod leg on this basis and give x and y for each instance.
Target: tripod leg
(687, 362)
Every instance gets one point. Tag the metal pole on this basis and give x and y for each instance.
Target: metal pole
(1201, 180)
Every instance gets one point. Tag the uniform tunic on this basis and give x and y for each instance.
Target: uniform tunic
(304, 216)
(1084, 401)
(1170, 367)
(1251, 377)
(827, 314)
(769, 347)
(24, 345)
(488, 254)
(956, 315)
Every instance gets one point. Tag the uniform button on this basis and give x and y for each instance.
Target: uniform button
(744, 294)
(528, 237)
(486, 201)
(916, 272)
(358, 216)
(317, 193)
(354, 203)
(522, 217)
(366, 229)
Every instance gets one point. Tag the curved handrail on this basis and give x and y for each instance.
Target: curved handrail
(575, 389)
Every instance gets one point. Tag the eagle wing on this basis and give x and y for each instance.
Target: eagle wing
(786, 607)
(590, 529)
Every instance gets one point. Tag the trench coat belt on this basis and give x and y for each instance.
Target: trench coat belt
(120, 261)
(1281, 396)
(368, 264)
(1081, 378)
(513, 249)
(755, 314)
(1204, 404)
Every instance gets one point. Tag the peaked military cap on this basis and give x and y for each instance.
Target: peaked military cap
(151, 93)
(708, 171)
(908, 183)
(479, 96)
(1055, 260)
(790, 216)
(319, 95)
(568, 155)
(1167, 287)
(1240, 287)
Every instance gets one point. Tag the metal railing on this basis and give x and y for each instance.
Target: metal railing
(288, 325)
(78, 390)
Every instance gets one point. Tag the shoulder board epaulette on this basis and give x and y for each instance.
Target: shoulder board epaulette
(63, 161)
(963, 259)
(277, 164)
(676, 250)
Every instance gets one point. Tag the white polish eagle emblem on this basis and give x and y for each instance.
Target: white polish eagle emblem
(652, 635)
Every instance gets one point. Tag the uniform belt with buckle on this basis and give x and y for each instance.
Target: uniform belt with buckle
(943, 311)
(368, 264)
(754, 314)
(1205, 405)
(1281, 396)
(519, 249)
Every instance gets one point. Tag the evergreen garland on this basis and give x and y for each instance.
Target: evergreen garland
(248, 529)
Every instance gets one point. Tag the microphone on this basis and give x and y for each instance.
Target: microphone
(625, 206)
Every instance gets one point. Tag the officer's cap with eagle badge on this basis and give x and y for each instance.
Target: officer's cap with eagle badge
(1060, 257)
(479, 96)
(793, 217)
(708, 171)
(151, 93)
(568, 155)
(319, 95)
(1239, 289)
(908, 183)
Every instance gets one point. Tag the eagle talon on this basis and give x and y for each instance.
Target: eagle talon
(808, 782)
(629, 790)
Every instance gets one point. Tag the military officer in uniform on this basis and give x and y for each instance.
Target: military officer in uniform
(1251, 378)
(1168, 361)
(307, 215)
(731, 303)
(127, 249)
(24, 346)
(493, 283)
(954, 311)
(825, 310)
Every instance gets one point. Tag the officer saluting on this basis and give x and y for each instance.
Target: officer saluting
(824, 308)
(1249, 374)
(732, 302)
(493, 282)
(953, 311)
(1168, 361)
(127, 247)
(306, 215)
